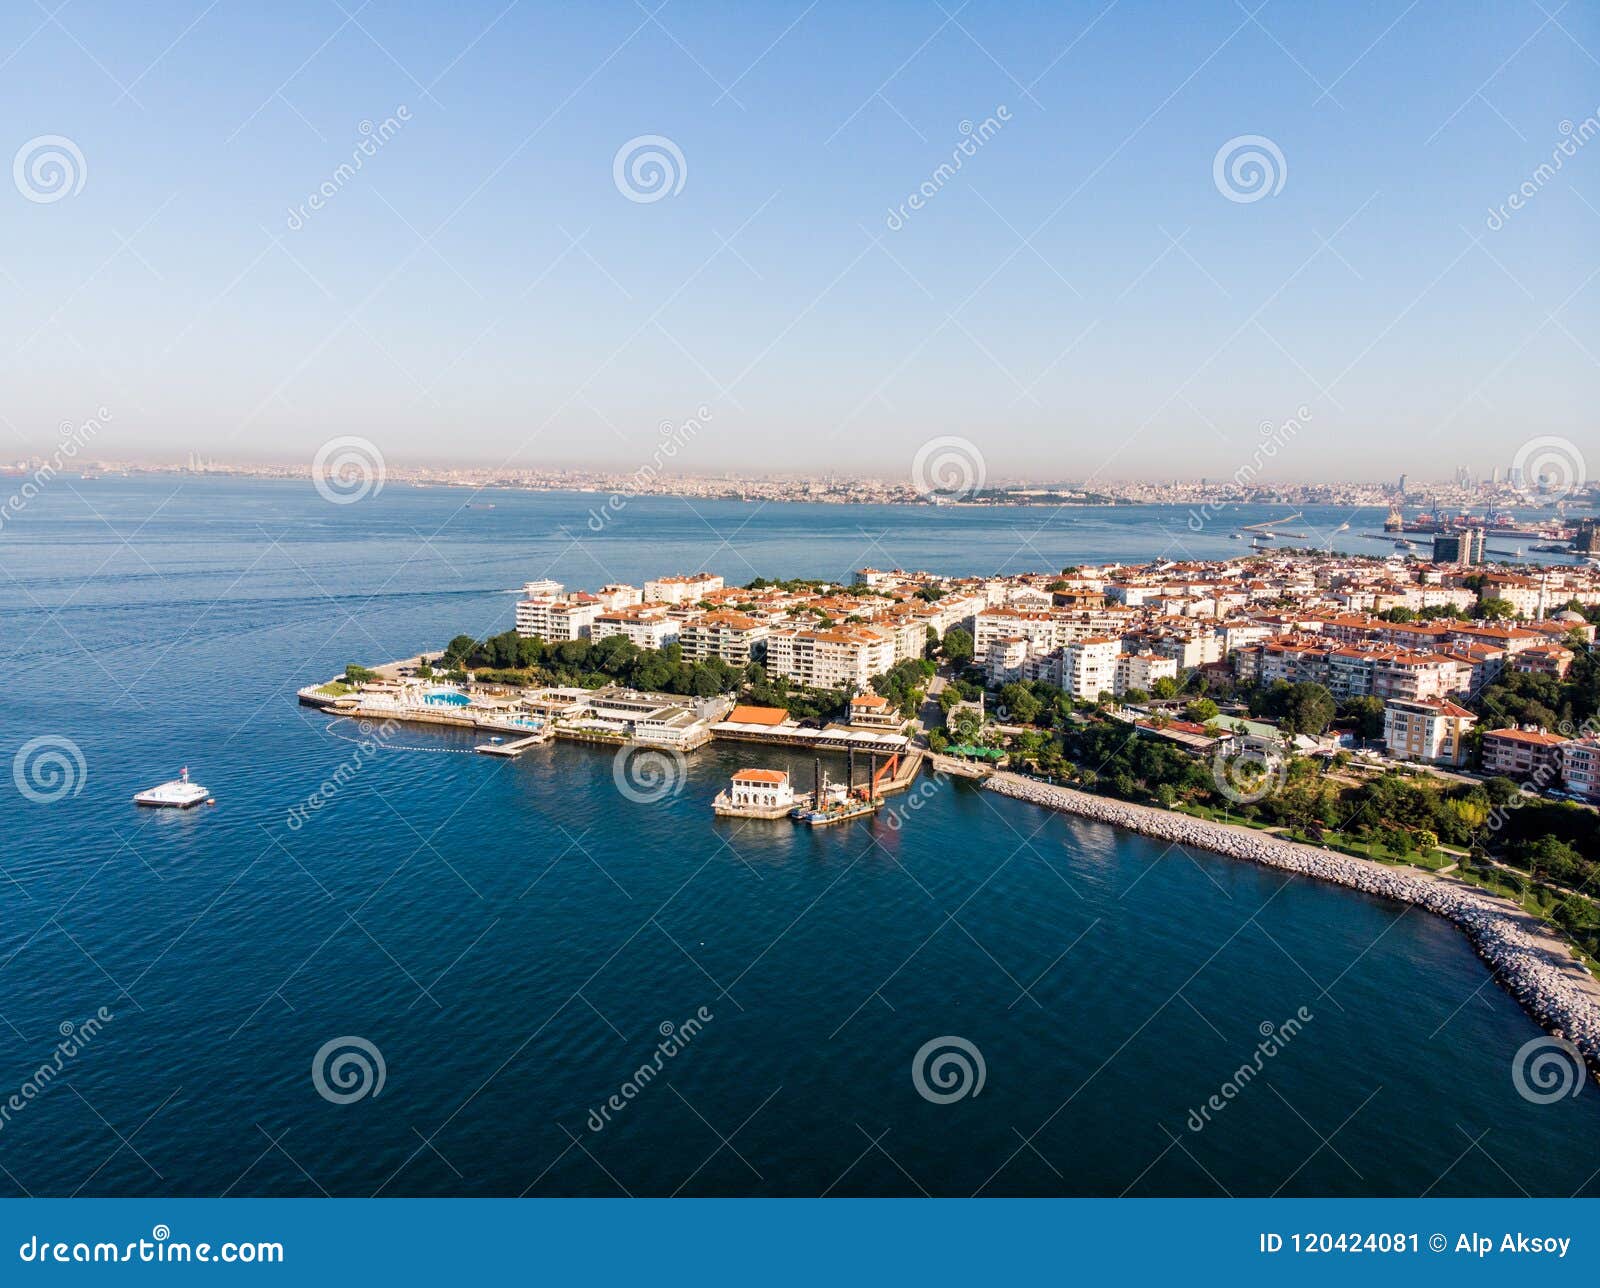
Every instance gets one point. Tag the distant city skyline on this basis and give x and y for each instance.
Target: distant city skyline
(1095, 246)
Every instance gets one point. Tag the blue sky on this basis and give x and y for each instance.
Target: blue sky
(1080, 300)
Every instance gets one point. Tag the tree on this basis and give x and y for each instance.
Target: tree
(1496, 610)
(1305, 708)
(1165, 687)
(958, 646)
(1367, 712)
(1201, 711)
(1020, 705)
(354, 674)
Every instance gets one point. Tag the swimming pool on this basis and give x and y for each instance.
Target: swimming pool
(446, 698)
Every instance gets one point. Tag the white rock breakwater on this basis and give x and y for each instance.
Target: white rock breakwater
(1526, 964)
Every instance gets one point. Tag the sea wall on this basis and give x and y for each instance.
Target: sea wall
(1562, 1000)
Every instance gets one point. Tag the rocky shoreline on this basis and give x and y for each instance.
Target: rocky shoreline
(1531, 964)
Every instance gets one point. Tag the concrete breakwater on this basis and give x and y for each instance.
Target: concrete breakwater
(1528, 960)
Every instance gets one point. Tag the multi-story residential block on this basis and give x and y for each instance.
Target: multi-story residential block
(1089, 667)
(681, 590)
(1005, 659)
(843, 657)
(557, 619)
(1580, 767)
(734, 637)
(1523, 753)
(1544, 659)
(1039, 629)
(646, 625)
(1141, 671)
(1428, 730)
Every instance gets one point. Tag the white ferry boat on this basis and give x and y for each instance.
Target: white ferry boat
(180, 793)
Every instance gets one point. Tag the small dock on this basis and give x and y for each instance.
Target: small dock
(511, 750)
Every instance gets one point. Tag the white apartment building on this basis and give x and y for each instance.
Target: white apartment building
(1005, 660)
(1089, 667)
(682, 590)
(646, 625)
(557, 619)
(618, 596)
(1141, 671)
(1039, 629)
(842, 657)
(1431, 730)
(734, 637)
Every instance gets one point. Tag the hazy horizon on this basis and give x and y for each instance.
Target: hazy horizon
(850, 230)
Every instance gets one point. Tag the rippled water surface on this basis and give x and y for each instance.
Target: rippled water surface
(512, 936)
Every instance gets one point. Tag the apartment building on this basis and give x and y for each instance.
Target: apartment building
(734, 637)
(1089, 667)
(992, 624)
(1523, 753)
(682, 590)
(838, 658)
(1427, 730)
(646, 625)
(1141, 671)
(1580, 767)
(557, 619)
